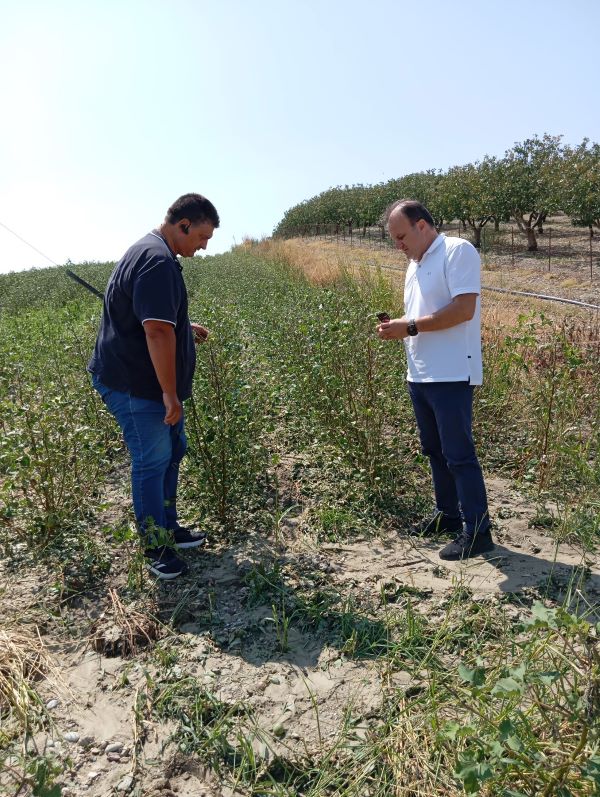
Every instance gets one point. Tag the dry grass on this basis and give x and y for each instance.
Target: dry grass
(122, 630)
(23, 660)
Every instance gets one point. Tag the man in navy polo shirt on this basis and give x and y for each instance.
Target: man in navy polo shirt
(442, 334)
(143, 365)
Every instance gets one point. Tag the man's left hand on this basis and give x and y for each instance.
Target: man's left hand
(200, 333)
(394, 329)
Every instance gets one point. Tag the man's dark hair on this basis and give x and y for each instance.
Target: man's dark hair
(195, 207)
(413, 210)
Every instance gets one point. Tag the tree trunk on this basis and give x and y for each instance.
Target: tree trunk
(532, 244)
(540, 223)
(497, 225)
(477, 241)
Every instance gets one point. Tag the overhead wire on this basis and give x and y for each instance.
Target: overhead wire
(68, 271)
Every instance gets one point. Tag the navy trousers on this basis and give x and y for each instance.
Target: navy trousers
(444, 413)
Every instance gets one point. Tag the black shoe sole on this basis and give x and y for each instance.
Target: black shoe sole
(162, 576)
(194, 544)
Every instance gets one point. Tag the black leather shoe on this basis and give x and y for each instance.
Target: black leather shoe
(466, 545)
(163, 563)
(437, 523)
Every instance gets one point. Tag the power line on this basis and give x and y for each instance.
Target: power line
(31, 246)
(73, 276)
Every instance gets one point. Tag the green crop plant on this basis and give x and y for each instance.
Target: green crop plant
(297, 404)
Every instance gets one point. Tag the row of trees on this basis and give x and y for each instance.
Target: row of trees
(534, 179)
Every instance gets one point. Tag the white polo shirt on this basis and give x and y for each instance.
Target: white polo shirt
(450, 267)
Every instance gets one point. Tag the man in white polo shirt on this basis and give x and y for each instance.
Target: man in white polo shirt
(441, 330)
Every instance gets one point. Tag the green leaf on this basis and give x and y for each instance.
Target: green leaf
(508, 686)
(451, 730)
(472, 774)
(515, 743)
(542, 615)
(591, 769)
(496, 749)
(506, 728)
(518, 673)
(547, 678)
(475, 677)
(44, 791)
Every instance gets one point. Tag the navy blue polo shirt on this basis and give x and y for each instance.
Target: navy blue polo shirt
(146, 284)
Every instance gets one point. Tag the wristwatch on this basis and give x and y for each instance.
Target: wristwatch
(411, 328)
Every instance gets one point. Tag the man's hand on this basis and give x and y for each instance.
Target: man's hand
(173, 408)
(460, 309)
(394, 329)
(200, 333)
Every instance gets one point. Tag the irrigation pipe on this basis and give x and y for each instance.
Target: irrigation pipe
(543, 296)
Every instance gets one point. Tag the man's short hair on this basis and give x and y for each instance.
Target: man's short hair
(195, 207)
(413, 210)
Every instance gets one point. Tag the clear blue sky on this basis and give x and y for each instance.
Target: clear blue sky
(113, 108)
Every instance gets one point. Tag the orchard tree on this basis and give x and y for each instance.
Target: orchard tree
(531, 173)
(476, 194)
(422, 186)
(580, 185)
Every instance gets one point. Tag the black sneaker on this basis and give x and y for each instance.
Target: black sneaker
(188, 538)
(466, 545)
(437, 523)
(163, 563)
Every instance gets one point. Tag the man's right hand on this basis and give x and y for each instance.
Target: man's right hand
(394, 329)
(173, 408)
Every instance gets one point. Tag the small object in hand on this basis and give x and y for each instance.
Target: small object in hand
(383, 317)
(200, 336)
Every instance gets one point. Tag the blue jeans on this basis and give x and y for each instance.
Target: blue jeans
(444, 413)
(156, 451)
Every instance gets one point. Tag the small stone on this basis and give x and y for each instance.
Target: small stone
(95, 751)
(161, 783)
(71, 736)
(190, 628)
(87, 741)
(51, 704)
(274, 679)
(125, 783)
(92, 776)
(115, 747)
(114, 757)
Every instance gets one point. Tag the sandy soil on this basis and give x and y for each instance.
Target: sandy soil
(298, 698)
